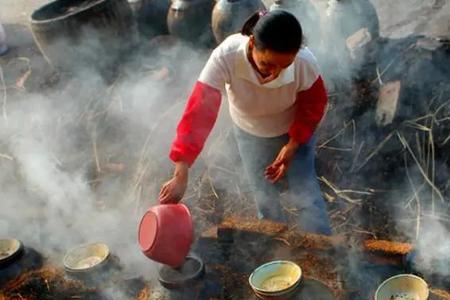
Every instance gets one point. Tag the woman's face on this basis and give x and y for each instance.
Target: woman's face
(269, 63)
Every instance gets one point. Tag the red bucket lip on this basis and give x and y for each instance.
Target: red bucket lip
(147, 245)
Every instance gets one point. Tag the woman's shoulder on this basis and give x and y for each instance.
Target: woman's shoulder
(306, 57)
(307, 61)
(306, 68)
(231, 44)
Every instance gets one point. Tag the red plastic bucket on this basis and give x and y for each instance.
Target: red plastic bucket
(165, 234)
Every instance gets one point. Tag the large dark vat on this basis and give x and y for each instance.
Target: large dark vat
(190, 20)
(151, 17)
(78, 34)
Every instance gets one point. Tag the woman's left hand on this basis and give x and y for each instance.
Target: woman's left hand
(275, 171)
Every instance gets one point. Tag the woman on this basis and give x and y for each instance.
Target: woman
(276, 99)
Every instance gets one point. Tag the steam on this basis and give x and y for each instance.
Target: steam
(56, 145)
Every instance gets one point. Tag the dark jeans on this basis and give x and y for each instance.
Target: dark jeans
(304, 191)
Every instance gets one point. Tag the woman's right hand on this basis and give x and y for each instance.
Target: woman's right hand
(173, 190)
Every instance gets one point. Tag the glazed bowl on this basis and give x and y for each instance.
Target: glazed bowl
(86, 258)
(403, 287)
(276, 279)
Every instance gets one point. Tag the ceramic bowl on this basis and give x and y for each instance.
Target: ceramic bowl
(86, 257)
(403, 287)
(276, 280)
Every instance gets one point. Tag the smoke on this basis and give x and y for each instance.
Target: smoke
(418, 217)
(82, 159)
(434, 248)
(405, 166)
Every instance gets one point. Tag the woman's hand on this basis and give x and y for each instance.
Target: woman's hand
(280, 165)
(173, 190)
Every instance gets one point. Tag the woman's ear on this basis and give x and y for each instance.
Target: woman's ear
(251, 42)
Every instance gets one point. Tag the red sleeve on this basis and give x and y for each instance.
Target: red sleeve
(311, 106)
(197, 122)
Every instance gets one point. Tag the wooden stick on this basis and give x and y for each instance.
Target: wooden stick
(433, 166)
(95, 151)
(380, 82)
(446, 140)
(337, 149)
(5, 96)
(299, 239)
(340, 132)
(425, 176)
(355, 159)
(377, 149)
(416, 196)
(5, 156)
(343, 193)
(211, 185)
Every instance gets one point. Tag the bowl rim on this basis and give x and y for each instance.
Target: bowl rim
(17, 251)
(70, 268)
(32, 19)
(189, 279)
(266, 292)
(399, 276)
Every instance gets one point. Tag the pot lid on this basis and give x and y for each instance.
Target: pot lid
(193, 268)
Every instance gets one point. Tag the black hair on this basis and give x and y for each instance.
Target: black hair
(276, 30)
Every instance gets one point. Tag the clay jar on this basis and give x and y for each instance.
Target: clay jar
(75, 35)
(229, 16)
(151, 17)
(345, 17)
(190, 20)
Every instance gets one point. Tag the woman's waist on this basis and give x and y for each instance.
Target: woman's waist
(268, 125)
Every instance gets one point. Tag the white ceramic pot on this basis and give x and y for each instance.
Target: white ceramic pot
(403, 286)
(276, 280)
(85, 258)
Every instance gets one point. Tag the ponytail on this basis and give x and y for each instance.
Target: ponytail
(250, 23)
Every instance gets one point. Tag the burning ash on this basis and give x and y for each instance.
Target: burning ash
(46, 283)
